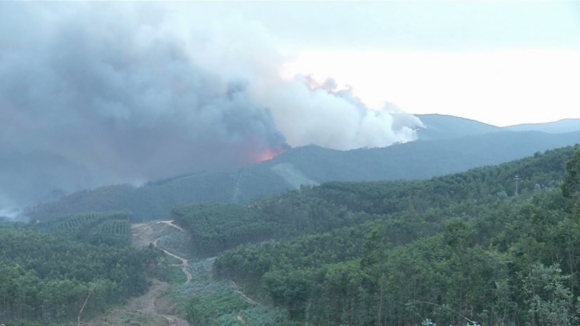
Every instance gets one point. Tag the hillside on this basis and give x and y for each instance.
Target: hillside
(420, 160)
(456, 249)
(310, 165)
(50, 269)
(337, 204)
(556, 127)
(439, 126)
(464, 243)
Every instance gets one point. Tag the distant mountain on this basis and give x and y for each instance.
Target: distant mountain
(556, 127)
(24, 177)
(311, 165)
(438, 126)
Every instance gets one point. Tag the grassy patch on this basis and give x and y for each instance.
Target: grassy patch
(256, 316)
(213, 301)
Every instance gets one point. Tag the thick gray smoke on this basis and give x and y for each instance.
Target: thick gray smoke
(96, 93)
(327, 116)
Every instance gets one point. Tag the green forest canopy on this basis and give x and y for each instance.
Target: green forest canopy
(49, 269)
(308, 165)
(455, 250)
(450, 250)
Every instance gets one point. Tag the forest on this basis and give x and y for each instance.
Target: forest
(309, 165)
(454, 250)
(496, 245)
(50, 269)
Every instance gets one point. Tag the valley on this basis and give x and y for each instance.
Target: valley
(156, 307)
(448, 249)
(289, 163)
(145, 234)
(159, 306)
(312, 165)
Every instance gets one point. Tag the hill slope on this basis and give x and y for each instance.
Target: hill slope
(311, 165)
(453, 250)
(556, 127)
(438, 126)
(443, 240)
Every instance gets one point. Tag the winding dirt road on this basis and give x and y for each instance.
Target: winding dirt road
(242, 294)
(143, 235)
(154, 308)
(184, 262)
(170, 223)
(150, 233)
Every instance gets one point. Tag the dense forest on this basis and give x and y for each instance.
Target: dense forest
(496, 245)
(309, 165)
(333, 205)
(49, 270)
(455, 250)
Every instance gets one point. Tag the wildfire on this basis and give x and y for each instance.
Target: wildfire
(268, 154)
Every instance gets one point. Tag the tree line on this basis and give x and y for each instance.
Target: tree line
(454, 250)
(49, 270)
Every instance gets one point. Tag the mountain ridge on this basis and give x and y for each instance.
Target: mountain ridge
(413, 160)
(559, 126)
(440, 126)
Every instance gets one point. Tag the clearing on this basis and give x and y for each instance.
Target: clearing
(154, 308)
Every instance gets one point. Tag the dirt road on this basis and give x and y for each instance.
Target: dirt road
(148, 233)
(184, 262)
(170, 223)
(154, 308)
(242, 294)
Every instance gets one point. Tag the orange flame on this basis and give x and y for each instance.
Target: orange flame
(267, 155)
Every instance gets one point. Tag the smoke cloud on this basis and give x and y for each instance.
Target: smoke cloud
(100, 93)
(308, 112)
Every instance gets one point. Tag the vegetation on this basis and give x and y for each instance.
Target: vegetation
(110, 228)
(334, 205)
(453, 250)
(438, 126)
(151, 201)
(207, 301)
(310, 165)
(571, 186)
(49, 270)
(215, 228)
(457, 250)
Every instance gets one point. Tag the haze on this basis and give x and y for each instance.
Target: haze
(101, 93)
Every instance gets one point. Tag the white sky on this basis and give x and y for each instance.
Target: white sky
(499, 62)
(498, 87)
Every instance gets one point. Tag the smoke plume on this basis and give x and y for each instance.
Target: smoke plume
(101, 93)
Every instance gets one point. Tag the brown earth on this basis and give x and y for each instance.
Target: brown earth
(184, 262)
(154, 308)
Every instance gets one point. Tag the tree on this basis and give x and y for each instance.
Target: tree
(571, 185)
(550, 302)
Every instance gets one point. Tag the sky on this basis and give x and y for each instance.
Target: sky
(499, 62)
(100, 93)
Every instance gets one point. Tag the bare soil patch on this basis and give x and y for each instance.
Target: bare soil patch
(154, 308)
